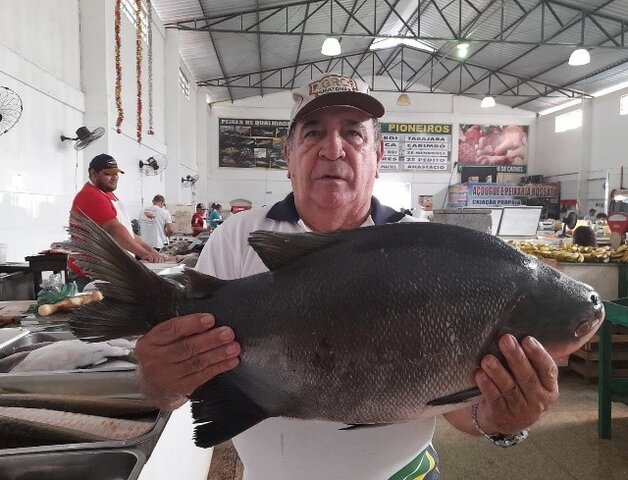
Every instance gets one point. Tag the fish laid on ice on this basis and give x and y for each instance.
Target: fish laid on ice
(370, 326)
(98, 427)
(69, 355)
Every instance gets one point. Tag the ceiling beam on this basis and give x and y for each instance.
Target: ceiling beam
(245, 80)
(253, 21)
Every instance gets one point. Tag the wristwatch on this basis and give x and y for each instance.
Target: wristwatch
(499, 439)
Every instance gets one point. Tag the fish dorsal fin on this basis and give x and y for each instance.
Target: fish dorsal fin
(199, 285)
(280, 249)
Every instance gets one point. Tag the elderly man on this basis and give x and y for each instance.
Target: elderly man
(334, 150)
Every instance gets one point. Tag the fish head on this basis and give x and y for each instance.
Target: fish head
(560, 312)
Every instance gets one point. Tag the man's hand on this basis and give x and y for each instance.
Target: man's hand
(182, 353)
(512, 401)
(513, 398)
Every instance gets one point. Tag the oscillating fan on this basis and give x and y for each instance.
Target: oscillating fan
(84, 136)
(154, 165)
(189, 180)
(10, 109)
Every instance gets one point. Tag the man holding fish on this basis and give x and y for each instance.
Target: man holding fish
(333, 152)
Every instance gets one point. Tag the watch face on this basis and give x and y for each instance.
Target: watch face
(508, 440)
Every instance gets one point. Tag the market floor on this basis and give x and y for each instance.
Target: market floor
(564, 445)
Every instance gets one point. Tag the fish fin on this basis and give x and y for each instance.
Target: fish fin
(458, 397)
(199, 285)
(223, 411)
(132, 292)
(362, 426)
(279, 249)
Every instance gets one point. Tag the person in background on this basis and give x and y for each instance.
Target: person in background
(215, 216)
(590, 217)
(334, 150)
(97, 201)
(601, 217)
(584, 236)
(199, 224)
(156, 225)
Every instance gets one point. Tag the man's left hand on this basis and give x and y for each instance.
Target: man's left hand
(513, 400)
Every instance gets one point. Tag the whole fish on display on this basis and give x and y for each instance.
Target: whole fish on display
(371, 326)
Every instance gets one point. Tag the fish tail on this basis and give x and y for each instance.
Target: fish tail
(222, 411)
(135, 300)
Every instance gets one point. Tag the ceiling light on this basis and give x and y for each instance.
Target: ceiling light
(488, 102)
(462, 50)
(403, 100)
(331, 47)
(579, 57)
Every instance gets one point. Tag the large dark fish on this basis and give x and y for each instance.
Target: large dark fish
(376, 325)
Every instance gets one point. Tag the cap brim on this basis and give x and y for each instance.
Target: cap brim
(111, 171)
(361, 101)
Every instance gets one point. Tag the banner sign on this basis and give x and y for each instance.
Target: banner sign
(251, 143)
(495, 194)
(505, 147)
(416, 146)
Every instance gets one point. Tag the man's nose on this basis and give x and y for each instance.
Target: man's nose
(332, 147)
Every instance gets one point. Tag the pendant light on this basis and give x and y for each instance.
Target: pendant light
(487, 102)
(579, 57)
(331, 47)
(403, 100)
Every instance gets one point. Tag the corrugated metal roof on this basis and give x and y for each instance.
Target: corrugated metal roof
(509, 44)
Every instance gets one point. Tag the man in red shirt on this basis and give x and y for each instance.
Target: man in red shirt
(97, 201)
(199, 224)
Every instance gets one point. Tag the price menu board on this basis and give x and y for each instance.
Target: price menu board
(416, 147)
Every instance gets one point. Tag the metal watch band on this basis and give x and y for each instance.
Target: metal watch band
(499, 439)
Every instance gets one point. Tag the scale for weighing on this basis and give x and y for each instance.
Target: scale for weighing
(618, 225)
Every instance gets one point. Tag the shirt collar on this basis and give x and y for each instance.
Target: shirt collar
(285, 211)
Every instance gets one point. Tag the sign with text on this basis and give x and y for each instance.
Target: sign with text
(501, 146)
(252, 143)
(496, 194)
(416, 146)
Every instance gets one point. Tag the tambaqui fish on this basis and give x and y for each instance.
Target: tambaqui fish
(370, 326)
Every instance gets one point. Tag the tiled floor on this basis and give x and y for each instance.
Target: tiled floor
(564, 445)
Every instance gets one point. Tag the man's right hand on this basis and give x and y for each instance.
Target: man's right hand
(182, 353)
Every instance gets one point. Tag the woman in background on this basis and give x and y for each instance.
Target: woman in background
(215, 216)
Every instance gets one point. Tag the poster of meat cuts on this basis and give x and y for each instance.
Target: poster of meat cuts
(251, 143)
(501, 146)
(416, 147)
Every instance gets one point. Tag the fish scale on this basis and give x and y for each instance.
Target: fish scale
(371, 326)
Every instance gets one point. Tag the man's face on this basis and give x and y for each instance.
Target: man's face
(333, 158)
(107, 182)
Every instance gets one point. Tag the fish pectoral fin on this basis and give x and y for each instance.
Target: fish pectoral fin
(279, 249)
(199, 285)
(222, 411)
(362, 426)
(458, 397)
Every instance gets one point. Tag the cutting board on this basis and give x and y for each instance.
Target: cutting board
(13, 310)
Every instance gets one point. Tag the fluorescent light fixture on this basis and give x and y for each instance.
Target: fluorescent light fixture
(403, 100)
(579, 57)
(560, 107)
(381, 43)
(487, 102)
(331, 47)
(462, 50)
(612, 89)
